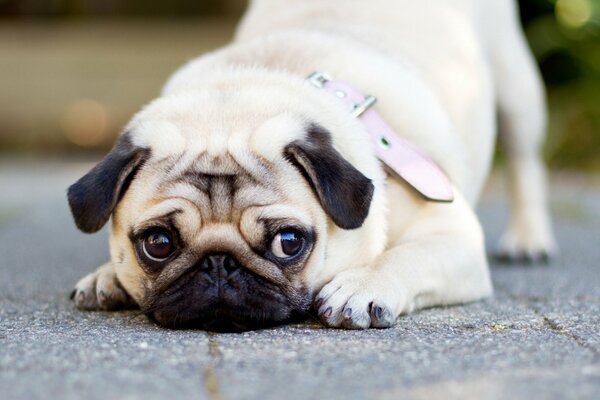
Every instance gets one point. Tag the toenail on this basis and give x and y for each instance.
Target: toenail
(328, 311)
(377, 312)
(318, 303)
(347, 313)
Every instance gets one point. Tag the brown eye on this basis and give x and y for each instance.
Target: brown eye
(287, 243)
(158, 245)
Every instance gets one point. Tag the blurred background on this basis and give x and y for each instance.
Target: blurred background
(72, 72)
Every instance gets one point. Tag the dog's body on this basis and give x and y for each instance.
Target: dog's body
(441, 69)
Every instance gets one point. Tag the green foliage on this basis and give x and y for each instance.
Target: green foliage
(565, 38)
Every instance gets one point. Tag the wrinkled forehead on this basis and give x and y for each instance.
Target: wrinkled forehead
(221, 150)
(218, 170)
(222, 162)
(217, 184)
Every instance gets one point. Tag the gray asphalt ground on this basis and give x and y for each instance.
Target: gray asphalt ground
(539, 337)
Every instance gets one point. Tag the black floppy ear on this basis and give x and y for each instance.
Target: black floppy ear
(94, 197)
(343, 191)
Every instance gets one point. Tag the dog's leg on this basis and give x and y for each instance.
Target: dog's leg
(438, 259)
(101, 290)
(522, 120)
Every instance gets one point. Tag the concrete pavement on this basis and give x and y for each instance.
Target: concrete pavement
(539, 337)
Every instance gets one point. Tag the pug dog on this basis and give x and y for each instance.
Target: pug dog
(245, 197)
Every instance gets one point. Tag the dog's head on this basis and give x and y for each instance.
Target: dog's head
(225, 205)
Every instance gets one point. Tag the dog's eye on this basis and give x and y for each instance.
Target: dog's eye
(158, 244)
(287, 243)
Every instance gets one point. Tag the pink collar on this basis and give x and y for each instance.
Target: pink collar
(399, 156)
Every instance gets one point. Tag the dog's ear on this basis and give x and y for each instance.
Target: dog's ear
(94, 197)
(343, 191)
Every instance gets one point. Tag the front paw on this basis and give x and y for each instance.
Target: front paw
(360, 299)
(101, 290)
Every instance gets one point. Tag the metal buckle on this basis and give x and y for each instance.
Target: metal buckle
(319, 79)
(359, 109)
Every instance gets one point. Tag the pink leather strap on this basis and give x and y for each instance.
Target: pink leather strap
(399, 155)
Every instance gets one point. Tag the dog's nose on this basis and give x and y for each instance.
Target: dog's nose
(223, 264)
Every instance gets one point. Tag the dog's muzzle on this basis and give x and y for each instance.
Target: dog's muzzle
(220, 294)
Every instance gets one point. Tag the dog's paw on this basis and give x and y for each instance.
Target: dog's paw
(526, 245)
(101, 290)
(360, 299)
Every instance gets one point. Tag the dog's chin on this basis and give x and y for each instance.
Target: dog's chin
(246, 303)
(222, 320)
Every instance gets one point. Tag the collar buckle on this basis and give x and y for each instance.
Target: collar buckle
(320, 79)
(360, 108)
